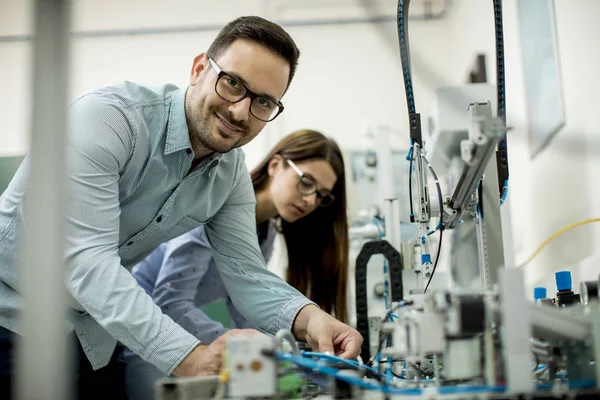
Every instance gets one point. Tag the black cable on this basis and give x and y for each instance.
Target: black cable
(413, 117)
(415, 125)
(403, 6)
(397, 376)
(502, 152)
(501, 87)
(441, 222)
(480, 199)
(437, 258)
(439, 192)
(382, 339)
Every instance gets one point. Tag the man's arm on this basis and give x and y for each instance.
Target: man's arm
(258, 294)
(184, 266)
(238, 319)
(100, 143)
(261, 296)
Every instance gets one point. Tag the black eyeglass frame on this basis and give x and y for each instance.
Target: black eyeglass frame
(247, 92)
(302, 175)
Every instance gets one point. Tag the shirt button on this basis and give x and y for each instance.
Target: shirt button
(188, 151)
(159, 218)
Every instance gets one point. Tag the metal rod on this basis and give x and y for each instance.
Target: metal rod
(551, 324)
(42, 361)
(391, 213)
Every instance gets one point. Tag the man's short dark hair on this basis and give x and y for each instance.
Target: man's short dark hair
(261, 31)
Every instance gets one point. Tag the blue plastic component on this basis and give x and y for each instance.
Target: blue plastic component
(425, 258)
(539, 293)
(563, 280)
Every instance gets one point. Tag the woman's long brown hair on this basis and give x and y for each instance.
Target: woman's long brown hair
(317, 244)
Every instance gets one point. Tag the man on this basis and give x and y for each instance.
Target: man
(146, 165)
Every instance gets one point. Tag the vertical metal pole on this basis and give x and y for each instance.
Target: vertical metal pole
(385, 177)
(515, 331)
(42, 362)
(391, 216)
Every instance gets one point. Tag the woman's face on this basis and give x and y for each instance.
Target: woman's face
(292, 205)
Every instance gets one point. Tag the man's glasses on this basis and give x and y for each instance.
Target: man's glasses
(230, 88)
(307, 186)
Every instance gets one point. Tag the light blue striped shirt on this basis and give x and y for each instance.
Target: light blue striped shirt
(129, 157)
(182, 277)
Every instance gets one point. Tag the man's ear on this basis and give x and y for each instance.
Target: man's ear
(275, 164)
(200, 64)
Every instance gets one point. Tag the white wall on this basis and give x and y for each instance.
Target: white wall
(561, 182)
(350, 77)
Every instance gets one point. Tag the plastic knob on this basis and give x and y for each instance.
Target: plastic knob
(539, 293)
(563, 280)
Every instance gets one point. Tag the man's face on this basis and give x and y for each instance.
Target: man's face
(217, 125)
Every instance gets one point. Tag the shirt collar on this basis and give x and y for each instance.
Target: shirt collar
(178, 136)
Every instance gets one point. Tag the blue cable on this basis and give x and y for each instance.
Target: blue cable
(410, 151)
(316, 379)
(376, 223)
(329, 357)
(470, 389)
(504, 192)
(585, 384)
(378, 358)
(388, 368)
(437, 228)
(324, 370)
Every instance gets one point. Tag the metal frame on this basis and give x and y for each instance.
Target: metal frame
(477, 153)
(490, 240)
(42, 357)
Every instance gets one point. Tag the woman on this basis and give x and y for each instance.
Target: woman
(301, 192)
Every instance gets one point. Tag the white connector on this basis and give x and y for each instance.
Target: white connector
(251, 373)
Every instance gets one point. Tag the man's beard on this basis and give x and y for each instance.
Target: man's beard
(202, 127)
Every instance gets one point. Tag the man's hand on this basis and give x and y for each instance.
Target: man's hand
(326, 334)
(207, 359)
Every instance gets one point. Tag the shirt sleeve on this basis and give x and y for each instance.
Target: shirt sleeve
(258, 294)
(238, 319)
(185, 263)
(101, 140)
